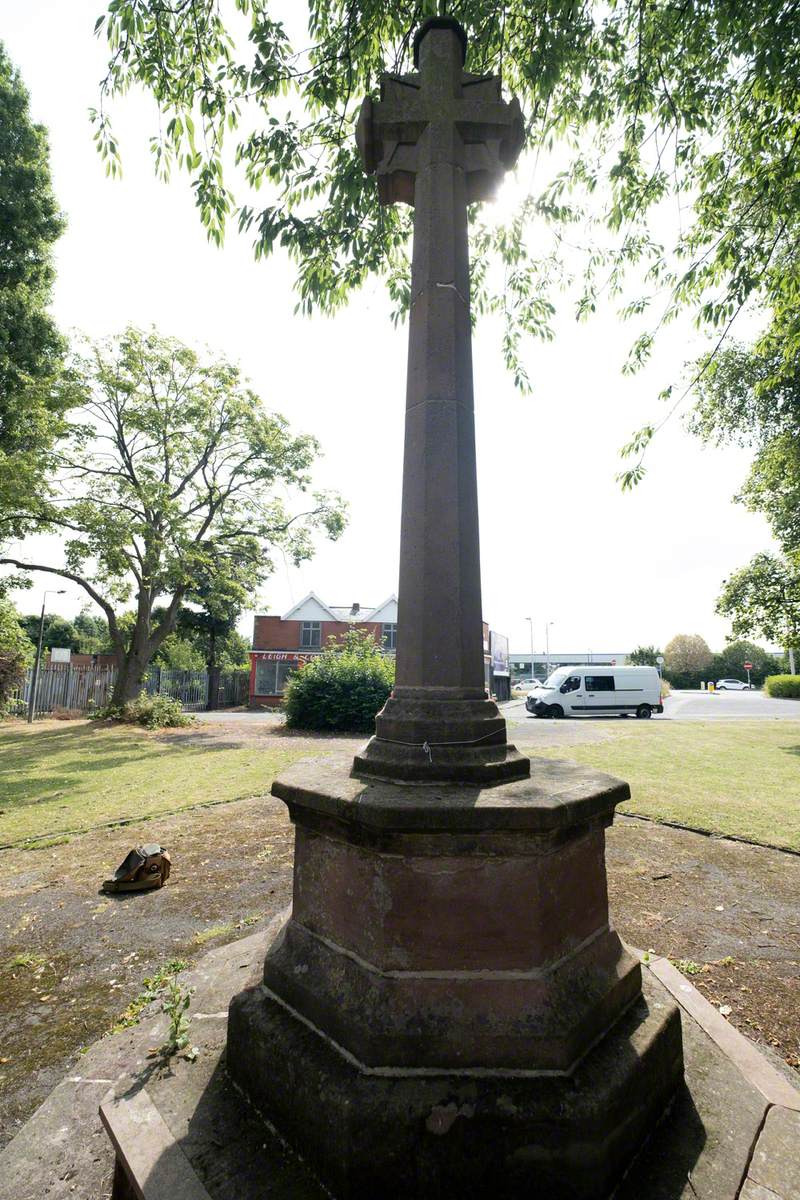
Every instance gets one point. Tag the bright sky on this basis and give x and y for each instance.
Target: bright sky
(560, 542)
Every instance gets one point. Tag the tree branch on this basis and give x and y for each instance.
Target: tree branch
(113, 627)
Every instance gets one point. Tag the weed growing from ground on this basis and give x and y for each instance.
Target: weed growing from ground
(151, 987)
(26, 960)
(175, 1005)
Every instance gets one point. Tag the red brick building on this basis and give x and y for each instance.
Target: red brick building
(281, 644)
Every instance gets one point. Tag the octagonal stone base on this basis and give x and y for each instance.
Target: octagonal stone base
(447, 1002)
(443, 1136)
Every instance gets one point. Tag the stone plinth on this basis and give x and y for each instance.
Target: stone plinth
(431, 735)
(447, 1002)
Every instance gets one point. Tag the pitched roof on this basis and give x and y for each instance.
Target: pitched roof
(310, 603)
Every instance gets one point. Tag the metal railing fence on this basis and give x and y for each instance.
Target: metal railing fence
(80, 688)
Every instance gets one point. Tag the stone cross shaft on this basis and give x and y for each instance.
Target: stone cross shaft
(439, 139)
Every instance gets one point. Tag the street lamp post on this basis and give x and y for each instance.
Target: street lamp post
(530, 622)
(38, 661)
(547, 644)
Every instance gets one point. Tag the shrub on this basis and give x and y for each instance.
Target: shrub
(14, 707)
(666, 688)
(342, 688)
(153, 712)
(15, 651)
(783, 687)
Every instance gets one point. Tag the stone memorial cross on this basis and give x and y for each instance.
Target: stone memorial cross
(439, 140)
(448, 1011)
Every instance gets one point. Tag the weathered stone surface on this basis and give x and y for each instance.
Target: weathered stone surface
(776, 1159)
(447, 1011)
(558, 796)
(64, 1153)
(417, 1135)
(702, 1148)
(541, 1020)
(150, 1163)
(450, 926)
(447, 944)
(753, 1191)
(439, 140)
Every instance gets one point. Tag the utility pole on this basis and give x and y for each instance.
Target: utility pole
(530, 622)
(547, 644)
(38, 660)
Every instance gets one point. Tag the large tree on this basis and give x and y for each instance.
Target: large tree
(687, 659)
(16, 651)
(731, 660)
(31, 348)
(58, 631)
(644, 656)
(172, 471)
(763, 600)
(749, 396)
(649, 100)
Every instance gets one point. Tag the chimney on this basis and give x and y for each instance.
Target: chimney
(355, 610)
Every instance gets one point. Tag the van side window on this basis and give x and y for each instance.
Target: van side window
(572, 684)
(600, 683)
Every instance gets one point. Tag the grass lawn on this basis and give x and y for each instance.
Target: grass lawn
(76, 775)
(740, 778)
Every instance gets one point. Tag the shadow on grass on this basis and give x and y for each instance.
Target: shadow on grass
(62, 757)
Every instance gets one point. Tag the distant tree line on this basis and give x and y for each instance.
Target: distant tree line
(167, 481)
(199, 643)
(689, 661)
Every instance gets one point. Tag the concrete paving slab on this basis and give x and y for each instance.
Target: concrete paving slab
(753, 1191)
(775, 1165)
(146, 1150)
(702, 1148)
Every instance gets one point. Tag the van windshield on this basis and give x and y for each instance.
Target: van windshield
(556, 679)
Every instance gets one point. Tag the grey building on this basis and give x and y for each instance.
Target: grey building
(543, 664)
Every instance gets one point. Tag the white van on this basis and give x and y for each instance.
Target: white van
(582, 690)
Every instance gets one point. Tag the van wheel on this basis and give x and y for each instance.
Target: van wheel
(644, 711)
(556, 711)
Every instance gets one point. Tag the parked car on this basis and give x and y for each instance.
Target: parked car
(733, 685)
(583, 690)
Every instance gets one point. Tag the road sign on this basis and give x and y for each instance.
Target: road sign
(660, 659)
(748, 666)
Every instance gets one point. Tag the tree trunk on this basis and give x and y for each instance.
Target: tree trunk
(130, 675)
(212, 695)
(133, 660)
(213, 688)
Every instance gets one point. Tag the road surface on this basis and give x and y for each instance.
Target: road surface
(698, 706)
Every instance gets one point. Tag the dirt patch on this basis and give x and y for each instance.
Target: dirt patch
(728, 914)
(72, 960)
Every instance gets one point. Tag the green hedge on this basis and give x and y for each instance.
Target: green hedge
(783, 687)
(341, 689)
